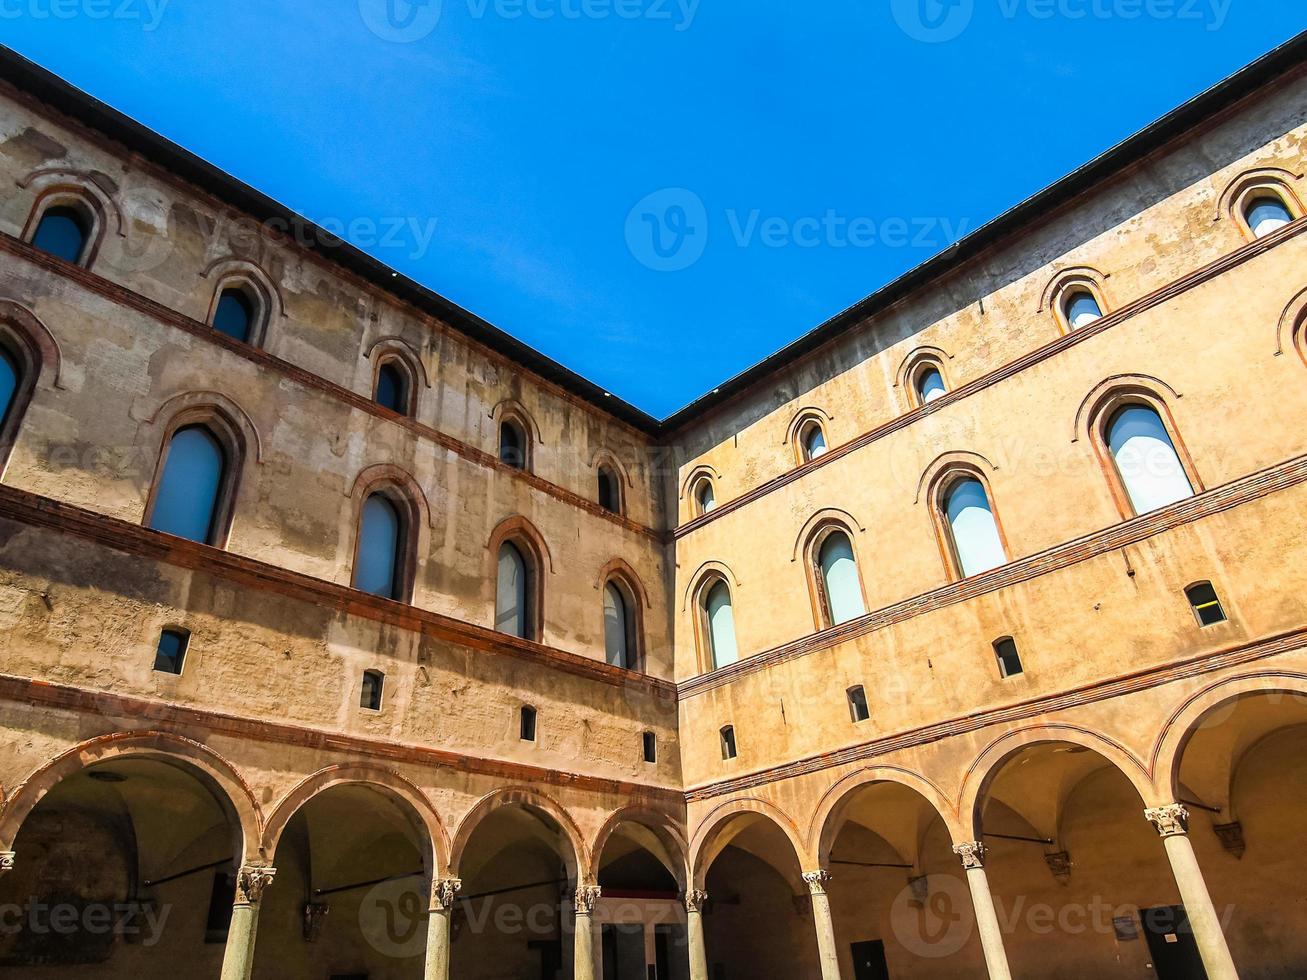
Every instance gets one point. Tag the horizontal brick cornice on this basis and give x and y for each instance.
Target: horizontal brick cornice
(1022, 711)
(110, 532)
(1159, 296)
(1244, 490)
(147, 307)
(63, 697)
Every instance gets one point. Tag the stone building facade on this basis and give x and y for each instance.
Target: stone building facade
(345, 636)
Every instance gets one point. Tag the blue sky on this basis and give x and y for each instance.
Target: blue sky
(657, 193)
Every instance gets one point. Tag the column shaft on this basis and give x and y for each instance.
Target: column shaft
(972, 855)
(694, 901)
(827, 951)
(583, 967)
(238, 957)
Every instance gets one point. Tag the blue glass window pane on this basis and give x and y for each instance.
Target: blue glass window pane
(1146, 459)
(930, 385)
(512, 593)
(975, 532)
(1267, 214)
(8, 384)
(721, 626)
(1082, 309)
(234, 315)
(839, 572)
(616, 627)
(377, 570)
(186, 503)
(61, 232)
(392, 392)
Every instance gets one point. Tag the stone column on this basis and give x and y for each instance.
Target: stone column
(444, 891)
(827, 951)
(584, 966)
(1172, 822)
(972, 855)
(694, 934)
(238, 959)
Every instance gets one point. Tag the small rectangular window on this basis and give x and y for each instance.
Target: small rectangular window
(1009, 661)
(372, 684)
(728, 742)
(171, 652)
(1206, 604)
(858, 708)
(650, 747)
(528, 733)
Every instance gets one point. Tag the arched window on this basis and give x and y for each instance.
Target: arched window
(1081, 308)
(977, 544)
(379, 555)
(10, 378)
(812, 441)
(719, 625)
(189, 498)
(1266, 212)
(234, 314)
(393, 390)
(512, 444)
(838, 570)
(619, 632)
(704, 498)
(513, 588)
(929, 384)
(610, 490)
(1146, 460)
(64, 231)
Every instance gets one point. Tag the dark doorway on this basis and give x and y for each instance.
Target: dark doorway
(1171, 943)
(624, 952)
(869, 961)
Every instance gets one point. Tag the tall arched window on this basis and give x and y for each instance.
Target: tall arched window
(719, 625)
(234, 314)
(1266, 213)
(64, 231)
(380, 551)
(610, 490)
(841, 587)
(188, 499)
(619, 628)
(9, 379)
(513, 588)
(704, 497)
(929, 384)
(512, 444)
(1146, 460)
(977, 544)
(812, 441)
(392, 387)
(1081, 309)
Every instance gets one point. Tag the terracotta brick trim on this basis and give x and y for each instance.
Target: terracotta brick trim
(1159, 296)
(122, 536)
(1244, 490)
(157, 311)
(1021, 711)
(142, 711)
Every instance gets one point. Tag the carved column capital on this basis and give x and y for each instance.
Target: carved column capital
(1171, 820)
(695, 899)
(6, 861)
(586, 897)
(816, 881)
(971, 853)
(250, 882)
(445, 893)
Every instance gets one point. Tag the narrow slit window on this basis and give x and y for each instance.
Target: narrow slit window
(649, 743)
(527, 731)
(171, 652)
(1206, 604)
(370, 698)
(858, 708)
(728, 742)
(1009, 660)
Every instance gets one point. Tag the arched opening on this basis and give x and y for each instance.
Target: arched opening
(124, 868)
(515, 913)
(515, 593)
(621, 636)
(1081, 308)
(64, 231)
(639, 916)
(812, 441)
(10, 379)
(394, 387)
(839, 584)
(717, 626)
(757, 920)
(381, 553)
(928, 383)
(899, 898)
(972, 528)
(705, 498)
(609, 490)
(1242, 774)
(1080, 879)
(354, 866)
(1266, 212)
(236, 314)
(192, 498)
(514, 449)
(1146, 460)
